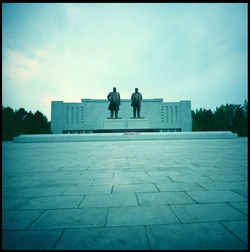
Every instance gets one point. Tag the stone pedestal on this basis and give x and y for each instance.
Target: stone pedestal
(138, 123)
(115, 124)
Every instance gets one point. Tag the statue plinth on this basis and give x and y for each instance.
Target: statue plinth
(138, 123)
(115, 123)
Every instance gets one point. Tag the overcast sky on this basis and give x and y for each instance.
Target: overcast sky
(63, 51)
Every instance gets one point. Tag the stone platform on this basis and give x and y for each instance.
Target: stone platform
(115, 123)
(129, 136)
(138, 123)
(125, 195)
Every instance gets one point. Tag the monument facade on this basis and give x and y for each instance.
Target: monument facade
(91, 115)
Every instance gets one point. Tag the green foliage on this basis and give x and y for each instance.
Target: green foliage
(15, 123)
(227, 117)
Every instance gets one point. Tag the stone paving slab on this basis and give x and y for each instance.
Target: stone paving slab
(152, 180)
(207, 212)
(18, 219)
(109, 200)
(109, 238)
(30, 240)
(94, 174)
(228, 177)
(184, 186)
(163, 173)
(131, 174)
(135, 188)
(189, 178)
(215, 196)
(203, 236)
(81, 189)
(32, 192)
(13, 204)
(162, 198)
(53, 202)
(71, 218)
(140, 215)
(112, 181)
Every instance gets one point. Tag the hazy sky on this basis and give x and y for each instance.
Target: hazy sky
(63, 51)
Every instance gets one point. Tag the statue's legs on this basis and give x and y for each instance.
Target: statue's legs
(134, 111)
(116, 113)
(138, 111)
(111, 113)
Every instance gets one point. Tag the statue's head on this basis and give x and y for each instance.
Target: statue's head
(114, 89)
(136, 90)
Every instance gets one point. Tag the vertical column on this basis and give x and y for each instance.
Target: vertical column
(167, 113)
(67, 115)
(57, 115)
(171, 114)
(186, 116)
(77, 115)
(176, 114)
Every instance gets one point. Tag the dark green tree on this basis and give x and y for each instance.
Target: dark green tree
(8, 123)
(19, 117)
(22, 122)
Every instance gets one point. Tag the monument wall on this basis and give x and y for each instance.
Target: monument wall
(90, 114)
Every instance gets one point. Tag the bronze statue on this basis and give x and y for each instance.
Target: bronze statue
(114, 98)
(136, 102)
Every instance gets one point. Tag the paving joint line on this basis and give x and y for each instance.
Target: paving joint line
(106, 218)
(83, 197)
(27, 228)
(137, 199)
(229, 203)
(149, 244)
(195, 201)
(170, 179)
(201, 186)
(175, 214)
(112, 189)
(224, 226)
(59, 238)
(156, 187)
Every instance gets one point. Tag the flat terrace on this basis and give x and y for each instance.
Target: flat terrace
(150, 194)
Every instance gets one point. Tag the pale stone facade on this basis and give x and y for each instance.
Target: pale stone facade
(90, 114)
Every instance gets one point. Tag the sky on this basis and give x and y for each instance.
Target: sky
(175, 51)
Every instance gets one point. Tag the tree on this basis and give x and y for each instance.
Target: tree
(226, 117)
(22, 122)
(8, 123)
(19, 117)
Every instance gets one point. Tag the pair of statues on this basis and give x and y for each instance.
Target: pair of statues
(114, 98)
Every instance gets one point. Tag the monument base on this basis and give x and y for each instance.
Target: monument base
(114, 123)
(138, 123)
(125, 136)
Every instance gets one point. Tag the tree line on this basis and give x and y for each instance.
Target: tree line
(229, 117)
(18, 122)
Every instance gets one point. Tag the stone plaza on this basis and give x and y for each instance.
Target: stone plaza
(142, 195)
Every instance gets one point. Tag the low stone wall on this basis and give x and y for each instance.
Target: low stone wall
(126, 136)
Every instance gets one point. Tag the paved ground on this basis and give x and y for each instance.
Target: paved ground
(174, 194)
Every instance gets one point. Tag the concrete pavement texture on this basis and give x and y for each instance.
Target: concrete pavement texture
(141, 195)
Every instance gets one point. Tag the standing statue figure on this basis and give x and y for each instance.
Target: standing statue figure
(114, 98)
(136, 102)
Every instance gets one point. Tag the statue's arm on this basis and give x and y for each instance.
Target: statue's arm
(108, 96)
